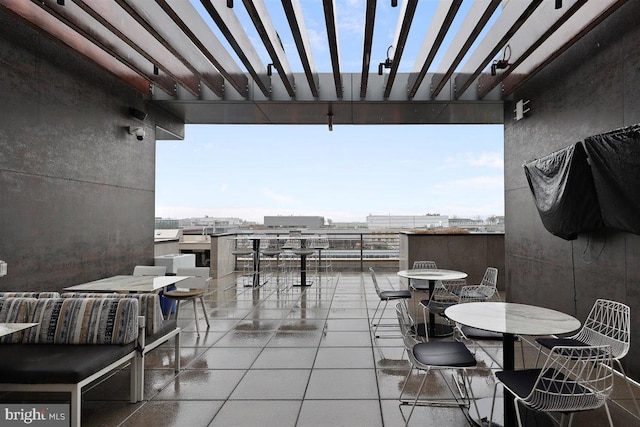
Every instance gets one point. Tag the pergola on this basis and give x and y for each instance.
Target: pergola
(168, 52)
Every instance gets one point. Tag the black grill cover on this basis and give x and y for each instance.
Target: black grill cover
(564, 192)
(615, 165)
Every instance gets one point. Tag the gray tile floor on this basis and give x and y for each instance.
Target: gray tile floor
(297, 357)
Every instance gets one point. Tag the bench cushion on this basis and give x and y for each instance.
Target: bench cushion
(54, 363)
(148, 303)
(15, 310)
(84, 321)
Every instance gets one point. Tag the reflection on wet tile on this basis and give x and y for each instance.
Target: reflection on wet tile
(274, 413)
(346, 339)
(226, 358)
(340, 413)
(285, 358)
(175, 413)
(194, 384)
(344, 357)
(272, 384)
(295, 339)
(342, 384)
(244, 339)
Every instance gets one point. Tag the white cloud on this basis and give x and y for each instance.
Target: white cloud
(224, 187)
(277, 197)
(491, 160)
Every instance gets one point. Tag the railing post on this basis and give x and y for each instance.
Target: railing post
(361, 252)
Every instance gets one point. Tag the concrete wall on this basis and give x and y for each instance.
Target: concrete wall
(590, 89)
(77, 192)
(471, 253)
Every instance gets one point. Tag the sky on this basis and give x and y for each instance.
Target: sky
(252, 171)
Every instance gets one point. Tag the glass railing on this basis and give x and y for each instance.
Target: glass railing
(353, 251)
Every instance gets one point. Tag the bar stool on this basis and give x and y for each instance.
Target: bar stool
(242, 250)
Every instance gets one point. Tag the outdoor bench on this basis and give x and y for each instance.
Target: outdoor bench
(158, 330)
(76, 341)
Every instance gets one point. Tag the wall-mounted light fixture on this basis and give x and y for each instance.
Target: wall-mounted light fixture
(501, 64)
(521, 109)
(558, 4)
(386, 64)
(61, 2)
(137, 114)
(394, 3)
(269, 69)
(330, 121)
(230, 4)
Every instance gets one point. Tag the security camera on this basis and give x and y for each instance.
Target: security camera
(138, 132)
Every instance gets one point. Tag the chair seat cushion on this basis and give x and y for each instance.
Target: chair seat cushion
(480, 334)
(389, 295)
(56, 363)
(184, 294)
(550, 342)
(522, 382)
(444, 353)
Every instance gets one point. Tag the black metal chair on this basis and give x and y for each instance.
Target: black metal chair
(435, 355)
(386, 296)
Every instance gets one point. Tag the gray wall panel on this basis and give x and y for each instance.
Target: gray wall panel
(77, 192)
(590, 89)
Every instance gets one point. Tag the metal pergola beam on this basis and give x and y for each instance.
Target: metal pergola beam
(440, 24)
(332, 35)
(151, 16)
(293, 11)
(576, 27)
(474, 22)
(260, 16)
(40, 19)
(197, 30)
(405, 18)
(543, 23)
(231, 28)
(514, 14)
(123, 25)
(369, 22)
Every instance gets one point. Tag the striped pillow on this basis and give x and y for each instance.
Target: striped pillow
(15, 310)
(149, 305)
(84, 321)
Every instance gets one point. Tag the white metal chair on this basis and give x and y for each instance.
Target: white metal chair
(488, 287)
(443, 297)
(149, 270)
(572, 379)
(274, 264)
(435, 355)
(386, 296)
(242, 250)
(608, 323)
(322, 265)
(191, 289)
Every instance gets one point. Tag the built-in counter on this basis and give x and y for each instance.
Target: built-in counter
(471, 253)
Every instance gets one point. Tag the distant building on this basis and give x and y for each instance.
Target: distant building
(294, 221)
(167, 224)
(211, 225)
(407, 221)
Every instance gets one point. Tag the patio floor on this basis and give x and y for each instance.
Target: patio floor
(296, 357)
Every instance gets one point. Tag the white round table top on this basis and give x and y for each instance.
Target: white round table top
(432, 274)
(512, 318)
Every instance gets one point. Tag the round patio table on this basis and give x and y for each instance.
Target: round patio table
(431, 275)
(510, 319)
